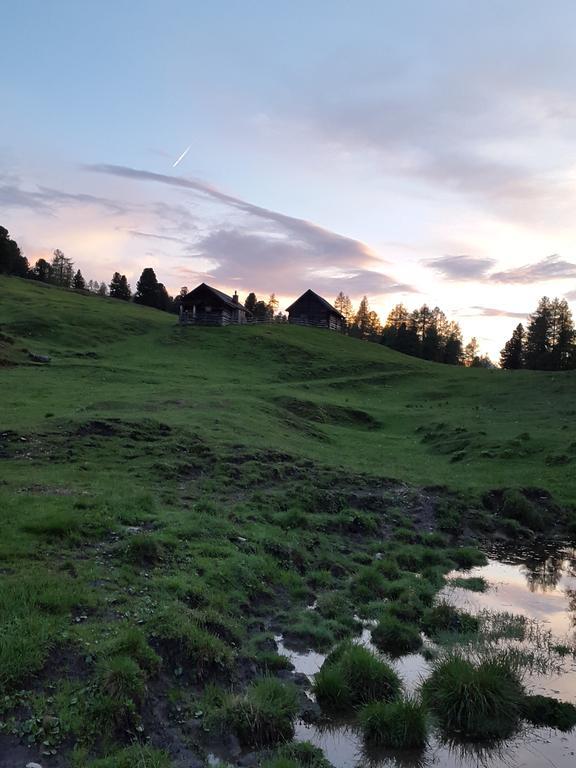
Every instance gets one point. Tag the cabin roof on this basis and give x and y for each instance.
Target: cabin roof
(228, 300)
(319, 299)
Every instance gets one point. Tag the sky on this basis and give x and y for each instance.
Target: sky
(413, 151)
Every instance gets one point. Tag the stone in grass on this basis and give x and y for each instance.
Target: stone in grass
(39, 358)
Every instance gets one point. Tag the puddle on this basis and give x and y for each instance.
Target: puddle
(539, 585)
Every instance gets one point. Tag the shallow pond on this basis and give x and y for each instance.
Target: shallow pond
(540, 585)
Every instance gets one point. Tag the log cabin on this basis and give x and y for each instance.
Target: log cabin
(208, 306)
(311, 309)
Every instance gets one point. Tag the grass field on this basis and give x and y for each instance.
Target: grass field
(170, 499)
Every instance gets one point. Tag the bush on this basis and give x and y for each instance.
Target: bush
(264, 714)
(352, 676)
(476, 701)
(395, 637)
(544, 710)
(398, 724)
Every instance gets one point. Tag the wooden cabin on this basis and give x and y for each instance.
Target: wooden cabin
(208, 306)
(311, 309)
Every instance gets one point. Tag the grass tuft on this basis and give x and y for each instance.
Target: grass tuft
(398, 724)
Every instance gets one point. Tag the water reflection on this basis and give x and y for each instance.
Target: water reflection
(540, 584)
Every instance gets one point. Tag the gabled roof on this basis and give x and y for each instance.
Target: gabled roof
(322, 301)
(222, 296)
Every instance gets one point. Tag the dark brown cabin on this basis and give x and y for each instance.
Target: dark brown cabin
(208, 306)
(311, 309)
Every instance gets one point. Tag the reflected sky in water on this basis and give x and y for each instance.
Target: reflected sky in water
(538, 584)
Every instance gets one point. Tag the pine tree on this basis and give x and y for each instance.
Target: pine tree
(250, 302)
(538, 346)
(78, 281)
(512, 356)
(119, 288)
(147, 288)
(12, 262)
(453, 351)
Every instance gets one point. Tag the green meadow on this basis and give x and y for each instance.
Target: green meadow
(171, 499)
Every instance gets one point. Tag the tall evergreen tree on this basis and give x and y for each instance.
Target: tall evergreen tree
(512, 355)
(62, 269)
(272, 306)
(147, 288)
(12, 262)
(538, 346)
(250, 302)
(78, 281)
(119, 288)
(471, 353)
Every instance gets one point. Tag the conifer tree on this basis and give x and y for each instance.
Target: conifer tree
(78, 281)
(147, 288)
(119, 288)
(512, 355)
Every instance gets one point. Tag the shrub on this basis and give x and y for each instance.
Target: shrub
(395, 637)
(264, 714)
(544, 710)
(397, 724)
(352, 676)
(477, 701)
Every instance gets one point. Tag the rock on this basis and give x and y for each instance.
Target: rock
(33, 765)
(38, 358)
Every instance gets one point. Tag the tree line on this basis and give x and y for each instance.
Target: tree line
(424, 332)
(548, 343)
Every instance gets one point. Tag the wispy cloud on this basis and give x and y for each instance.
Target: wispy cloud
(47, 200)
(462, 267)
(492, 312)
(550, 268)
(291, 248)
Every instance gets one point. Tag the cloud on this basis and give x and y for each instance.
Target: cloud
(491, 312)
(253, 259)
(550, 268)
(292, 250)
(571, 295)
(47, 200)
(154, 236)
(462, 267)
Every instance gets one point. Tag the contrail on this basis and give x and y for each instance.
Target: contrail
(182, 156)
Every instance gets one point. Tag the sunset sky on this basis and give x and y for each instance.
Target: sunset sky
(410, 151)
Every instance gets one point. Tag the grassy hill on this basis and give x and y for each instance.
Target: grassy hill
(322, 396)
(173, 499)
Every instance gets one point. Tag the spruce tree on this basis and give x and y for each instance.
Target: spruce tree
(250, 302)
(78, 282)
(119, 288)
(538, 348)
(512, 356)
(147, 288)
(11, 260)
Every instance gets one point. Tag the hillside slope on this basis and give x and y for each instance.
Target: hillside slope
(317, 395)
